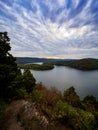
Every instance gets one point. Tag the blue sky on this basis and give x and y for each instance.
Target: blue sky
(51, 28)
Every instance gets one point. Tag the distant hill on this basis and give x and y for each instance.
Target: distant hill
(82, 64)
(26, 60)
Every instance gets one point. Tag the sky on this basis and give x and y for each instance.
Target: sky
(51, 28)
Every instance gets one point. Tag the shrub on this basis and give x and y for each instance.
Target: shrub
(91, 103)
(86, 120)
(28, 80)
(71, 97)
(52, 96)
(66, 112)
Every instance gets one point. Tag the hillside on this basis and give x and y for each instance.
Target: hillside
(82, 64)
(25, 60)
(14, 121)
(48, 109)
(44, 66)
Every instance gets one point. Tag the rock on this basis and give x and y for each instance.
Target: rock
(27, 110)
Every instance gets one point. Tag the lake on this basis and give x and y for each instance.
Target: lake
(85, 82)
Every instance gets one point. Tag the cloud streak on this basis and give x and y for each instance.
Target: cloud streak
(51, 28)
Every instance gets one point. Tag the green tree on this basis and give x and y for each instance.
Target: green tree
(67, 114)
(91, 103)
(8, 66)
(28, 80)
(71, 97)
(75, 118)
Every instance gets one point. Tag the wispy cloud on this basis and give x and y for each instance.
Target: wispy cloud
(51, 28)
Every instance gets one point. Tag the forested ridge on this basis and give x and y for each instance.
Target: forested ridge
(37, 106)
(82, 64)
(44, 66)
(86, 64)
(27, 60)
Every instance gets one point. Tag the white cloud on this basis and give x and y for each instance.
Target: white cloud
(34, 35)
(61, 2)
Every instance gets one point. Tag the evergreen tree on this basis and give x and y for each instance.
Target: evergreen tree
(8, 66)
(71, 97)
(28, 80)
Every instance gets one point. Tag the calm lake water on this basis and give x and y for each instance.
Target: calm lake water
(85, 82)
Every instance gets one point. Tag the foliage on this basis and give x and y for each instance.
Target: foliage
(91, 103)
(27, 60)
(8, 66)
(75, 118)
(28, 80)
(66, 113)
(52, 96)
(86, 120)
(39, 96)
(66, 110)
(71, 97)
(44, 66)
(47, 96)
(22, 93)
(2, 108)
(82, 64)
(24, 84)
(12, 82)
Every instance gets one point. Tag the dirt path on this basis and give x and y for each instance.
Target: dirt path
(11, 113)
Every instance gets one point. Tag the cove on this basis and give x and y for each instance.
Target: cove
(85, 82)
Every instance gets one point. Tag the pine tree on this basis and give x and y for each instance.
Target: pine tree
(8, 66)
(28, 80)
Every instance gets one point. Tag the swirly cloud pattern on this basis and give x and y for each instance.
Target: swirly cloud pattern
(51, 28)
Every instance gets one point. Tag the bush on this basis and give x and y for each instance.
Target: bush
(71, 97)
(91, 103)
(66, 112)
(22, 93)
(28, 80)
(52, 96)
(74, 118)
(39, 96)
(2, 108)
(86, 120)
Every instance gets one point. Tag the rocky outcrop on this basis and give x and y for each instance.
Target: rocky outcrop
(26, 110)
(30, 111)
